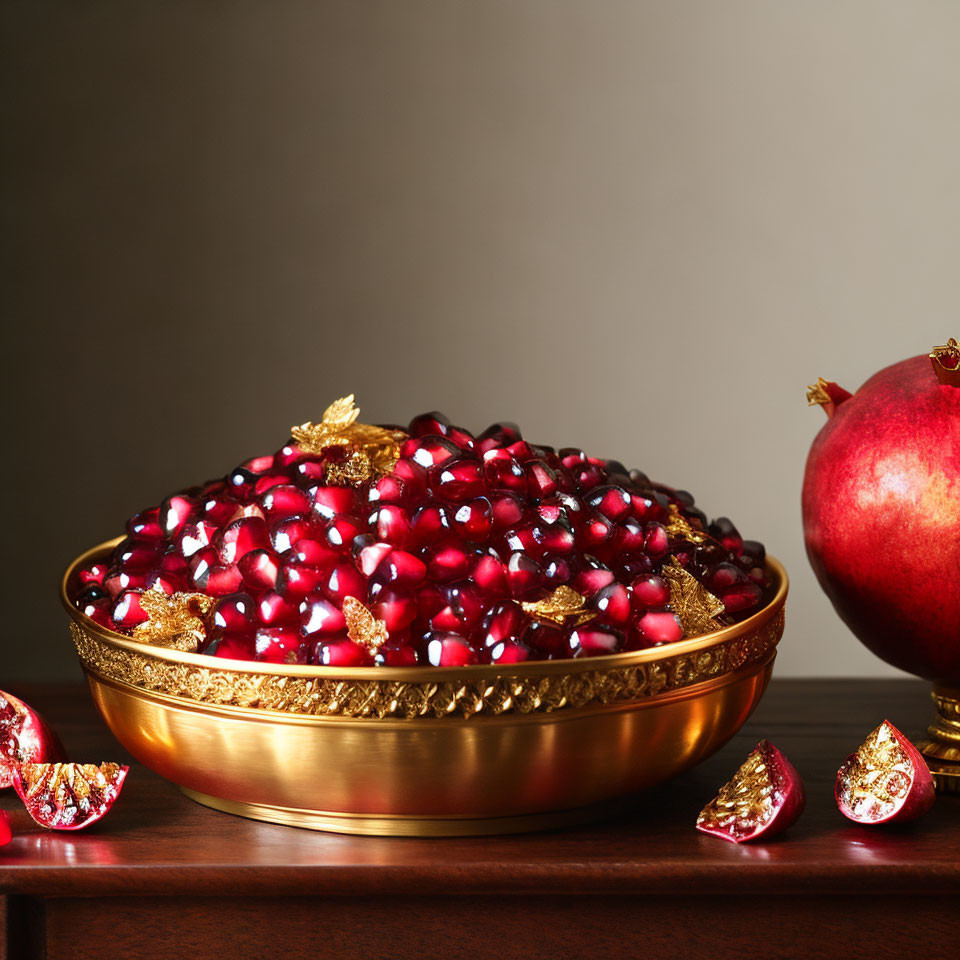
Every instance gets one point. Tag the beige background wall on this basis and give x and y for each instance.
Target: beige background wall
(639, 227)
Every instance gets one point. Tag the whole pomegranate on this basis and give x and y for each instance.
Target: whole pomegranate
(881, 511)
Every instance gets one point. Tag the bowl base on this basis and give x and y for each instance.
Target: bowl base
(407, 826)
(942, 749)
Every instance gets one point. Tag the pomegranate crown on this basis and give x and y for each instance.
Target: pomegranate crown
(946, 363)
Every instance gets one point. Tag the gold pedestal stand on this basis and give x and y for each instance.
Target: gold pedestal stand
(942, 750)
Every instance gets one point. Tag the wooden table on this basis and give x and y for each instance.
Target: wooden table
(164, 877)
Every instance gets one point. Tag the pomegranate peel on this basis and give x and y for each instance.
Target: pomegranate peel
(68, 796)
(881, 511)
(24, 736)
(885, 781)
(762, 799)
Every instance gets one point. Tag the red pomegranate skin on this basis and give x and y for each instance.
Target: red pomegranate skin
(881, 515)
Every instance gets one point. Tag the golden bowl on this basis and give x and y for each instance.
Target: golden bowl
(427, 751)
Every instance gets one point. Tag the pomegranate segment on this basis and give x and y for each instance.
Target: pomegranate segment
(764, 797)
(885, 781)
(24, 736)
(434, 531)
(68, 796)
(6, 834)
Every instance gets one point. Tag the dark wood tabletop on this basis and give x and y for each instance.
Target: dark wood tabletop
(162, 876)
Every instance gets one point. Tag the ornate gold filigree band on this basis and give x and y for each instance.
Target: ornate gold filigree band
(390, 698)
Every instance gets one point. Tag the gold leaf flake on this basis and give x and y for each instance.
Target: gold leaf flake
(174, 621)
(692, 602)
(363, 627)
(339, 428)
(817, 393)
(353, 470)
(679, 526)
(563, 604)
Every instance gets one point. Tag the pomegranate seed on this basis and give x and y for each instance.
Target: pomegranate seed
(399, 568)
(339, 653)
(524, 576)
(370, 555)
(240, 537)
(429, 451)
(592, 579)
(177, 510)
(397, 609)
(284, 500)
(319, 616)
(498, 435)
(658, 627)
(396, 655)
(743, 596)
(259, 570)
(146, 525)
(391, 524)
(541, 480)
(126, 612)
(490, 575)
(313, 553)
(629, 537)
(169, 583)
(430, 600)
(448, 562)
(593, 641)
(728, 535)
(612, 501)
(596, 531)
(459, 480)
(431, 524)
(413, 477)
(194, 536)
(234, 613)
(295, 580)
(330, 501)
(656, 540)
(507, 511)
(449, 650)
(429, 425)
(341, 531)
(650, 590)
(503, 472)
(724, 576)
(612, 604)
(388, 489)
(95, 573)
(505, 621)
(274, 609)
(343, 581)
(137, 555)
(231, 647)
(276, 644)
(474, 520)
(547, 641)
(116, 581)
(509, 651)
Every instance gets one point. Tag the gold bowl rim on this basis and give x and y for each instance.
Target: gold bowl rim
(425, 674)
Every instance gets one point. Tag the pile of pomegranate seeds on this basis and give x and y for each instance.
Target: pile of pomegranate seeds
(446, 550)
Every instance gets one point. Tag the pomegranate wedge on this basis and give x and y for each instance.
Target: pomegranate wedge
(68, 796)
(885, 781)
(764, 797)
(24, 737)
